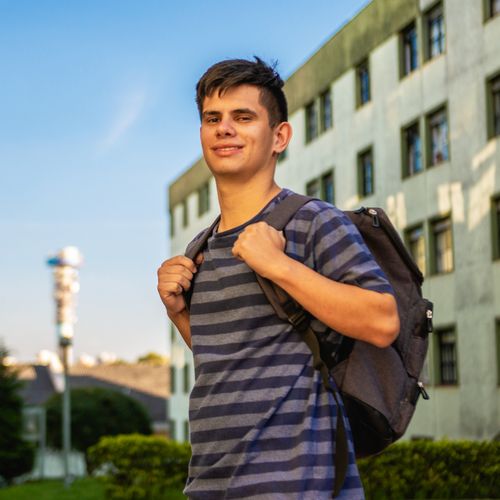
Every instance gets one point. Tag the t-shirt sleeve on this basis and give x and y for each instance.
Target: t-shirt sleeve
(332, 245)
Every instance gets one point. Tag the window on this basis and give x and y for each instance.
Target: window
(412, 150)
(495, 226)
(185, 215)
(363, 83)
(186, 430)
(435, 31)
(365, 173)
(492, 8)
(204, 198)
(172, 222)
(409, 49)
(322, 188)
(493, 100)
(327, 188)
(415, 242)
(325, 108)
(442, 245)
(173, 434)
(173, 335)
(187, 378)
(446, 359)
(311, 122)
(173, 379)
(497, 335)
(437, 130)
(283, 155)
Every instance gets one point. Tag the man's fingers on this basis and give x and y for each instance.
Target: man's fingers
(177, 279)
(199, 259)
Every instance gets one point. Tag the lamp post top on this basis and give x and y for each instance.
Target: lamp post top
(68, 256)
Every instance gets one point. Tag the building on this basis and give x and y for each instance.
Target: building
(401, 109)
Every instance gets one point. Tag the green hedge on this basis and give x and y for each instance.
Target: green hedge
(137, 467)
(433, 469)
(143, 467)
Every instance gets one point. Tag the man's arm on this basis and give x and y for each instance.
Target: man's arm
(353, 311)
(175, 276)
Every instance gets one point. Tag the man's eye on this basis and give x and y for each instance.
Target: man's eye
(212, 119)
(244, 118)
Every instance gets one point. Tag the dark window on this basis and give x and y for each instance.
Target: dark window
(437, 124)
(313, 188)
(173, 434)
(172, 334)
(442, 244)
(447, 363)
(327, 188)
(363, 83)
(497, 323)
(283, 155)
(365, 169)
(326, 115)
(311, 122)
(187, 378)
(409, 49)
(172, 222)
(204, 198)
(173, 379)
(186, 430)
(185, 215)
(493, 7)
(412, 150)
(494, 107)
(415, 242)
(436, 36)
(495, 216)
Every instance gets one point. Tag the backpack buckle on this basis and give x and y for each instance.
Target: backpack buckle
(298, 319)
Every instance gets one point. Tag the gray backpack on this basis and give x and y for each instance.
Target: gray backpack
(379, 387)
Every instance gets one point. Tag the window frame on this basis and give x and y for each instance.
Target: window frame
(320, 186)
(427, 31)
(438, 358)
(361, 172)
(365, 63)
(492, 125)
(311, 107)
(173, 379)
(323, 126)
(429, 163)
(489, 9)
(408, 243)
(402, 50)
(405, 149)
(185, 213)
(495, 227)
(204, 198)
(186, 378)
(433, 260)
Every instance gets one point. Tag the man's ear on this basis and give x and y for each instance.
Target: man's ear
(282, 136)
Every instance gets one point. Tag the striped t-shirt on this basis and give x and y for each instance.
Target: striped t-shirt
(262, 424)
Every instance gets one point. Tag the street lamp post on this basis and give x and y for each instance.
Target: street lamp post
(65, 266)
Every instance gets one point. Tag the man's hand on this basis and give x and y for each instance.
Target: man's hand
(261, 247)
(174, 277)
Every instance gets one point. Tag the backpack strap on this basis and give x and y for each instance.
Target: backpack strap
(289, 310)
(193, 252)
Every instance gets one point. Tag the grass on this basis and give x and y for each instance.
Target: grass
(82, 489)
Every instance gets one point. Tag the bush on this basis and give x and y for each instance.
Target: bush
(139, 467)
(96, 412)
(433, 469)
(16, 455)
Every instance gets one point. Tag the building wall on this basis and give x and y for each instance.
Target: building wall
(468, 297)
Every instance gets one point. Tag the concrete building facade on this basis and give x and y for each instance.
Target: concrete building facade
(401, 109)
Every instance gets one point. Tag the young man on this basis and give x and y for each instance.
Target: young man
(261, 422)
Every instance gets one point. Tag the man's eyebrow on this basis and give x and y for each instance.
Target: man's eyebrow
(211, 113)
(234, 112)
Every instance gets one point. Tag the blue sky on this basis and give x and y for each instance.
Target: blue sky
(97, 116)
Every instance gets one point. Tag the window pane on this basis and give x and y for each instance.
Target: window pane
(364, 82)
(438, 127)
(326, 110)
(494, 7)
(186, 430)
(327, 188)
(447, 357)
(366, 164)
(204, 199)
(436, 32)
(496, 228)
(313, 189)
(413, 150)
(172, 223)
(185, 215)
(416, 244)
(311, 122)
(495, 98)
(443, 247)
(410, 51)
(187, 378)
(172, 380)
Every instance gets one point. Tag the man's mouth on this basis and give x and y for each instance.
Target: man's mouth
(227, 150)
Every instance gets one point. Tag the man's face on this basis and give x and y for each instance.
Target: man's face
(236, 137)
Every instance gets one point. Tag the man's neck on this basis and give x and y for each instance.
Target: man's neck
(238, 204)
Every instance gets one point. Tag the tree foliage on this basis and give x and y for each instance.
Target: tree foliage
(95, 412)
(16, 455)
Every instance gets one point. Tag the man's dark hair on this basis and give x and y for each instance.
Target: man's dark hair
(233, 72)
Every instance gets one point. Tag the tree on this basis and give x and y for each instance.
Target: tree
(16, 455)
(153, 358)
(96, 412)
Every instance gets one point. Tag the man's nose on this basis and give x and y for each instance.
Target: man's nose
(225, 127)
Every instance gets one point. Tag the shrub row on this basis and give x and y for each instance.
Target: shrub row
(137, 467)
(143, 467)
